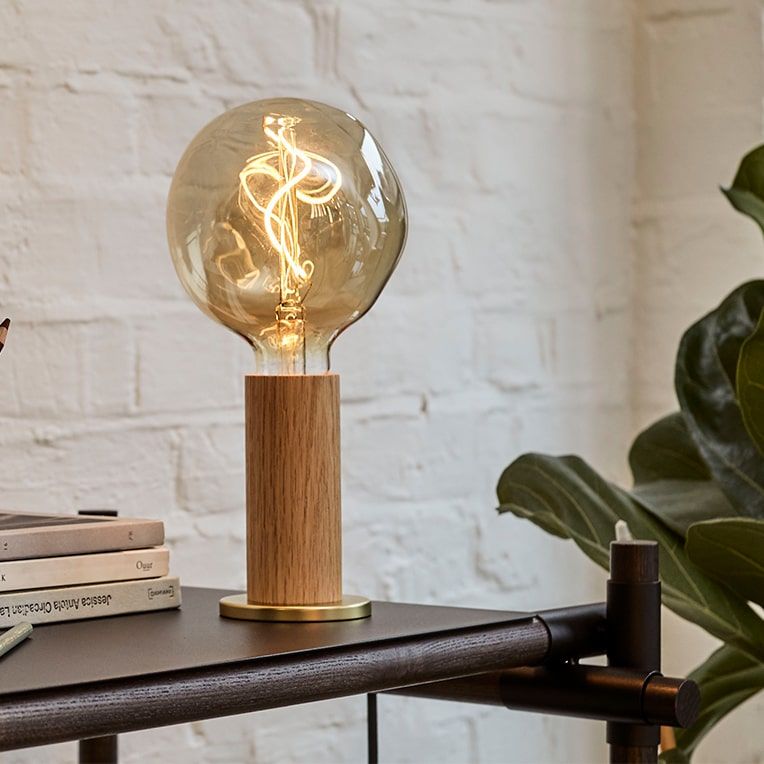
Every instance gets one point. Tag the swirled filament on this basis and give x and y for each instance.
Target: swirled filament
(301, 178)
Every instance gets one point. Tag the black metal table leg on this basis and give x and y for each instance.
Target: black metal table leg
(371, 728)
(99, 750)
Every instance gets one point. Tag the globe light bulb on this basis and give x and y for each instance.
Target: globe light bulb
(285, 220)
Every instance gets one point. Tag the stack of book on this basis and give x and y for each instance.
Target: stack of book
(67, 567)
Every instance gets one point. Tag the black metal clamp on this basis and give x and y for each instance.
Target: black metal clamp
(630, 694)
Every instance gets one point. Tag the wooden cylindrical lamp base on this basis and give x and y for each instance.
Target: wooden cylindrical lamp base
(294, 521)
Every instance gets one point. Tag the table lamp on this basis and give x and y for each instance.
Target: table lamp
(285, 220)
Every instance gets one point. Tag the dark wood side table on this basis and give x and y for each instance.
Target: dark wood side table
(91, 680)
(96, 678)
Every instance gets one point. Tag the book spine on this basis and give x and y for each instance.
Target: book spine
(47, 572)
(93, 601)
(71, 540)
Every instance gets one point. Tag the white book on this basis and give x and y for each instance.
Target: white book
(72, 603)
(47, 572)
(24, 535)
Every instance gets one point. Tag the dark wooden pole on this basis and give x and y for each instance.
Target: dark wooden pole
(634, 638)
(153, 700)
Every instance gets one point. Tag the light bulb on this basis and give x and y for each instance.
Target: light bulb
(285, 220)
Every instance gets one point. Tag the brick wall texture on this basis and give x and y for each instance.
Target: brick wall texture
(560, 161)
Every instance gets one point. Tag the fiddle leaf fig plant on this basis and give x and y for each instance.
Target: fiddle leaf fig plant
(750, 389)
(746, 194)
(698, 489)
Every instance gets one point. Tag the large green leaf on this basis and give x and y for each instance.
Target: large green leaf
(671, 480)
(726, 679)
(680, 503)
(566, 493)
(706, 369)
(666, 450)
(731, 551)
(750, 384)
(746, 194)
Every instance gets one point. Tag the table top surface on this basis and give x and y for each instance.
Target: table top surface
(195, 636)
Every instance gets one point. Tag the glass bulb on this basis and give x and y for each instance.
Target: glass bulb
(285, 220)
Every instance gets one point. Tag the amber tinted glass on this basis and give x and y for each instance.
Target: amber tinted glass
(285, 219)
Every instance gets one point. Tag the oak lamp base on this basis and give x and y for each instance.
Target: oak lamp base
(349, 608)
(294, 524)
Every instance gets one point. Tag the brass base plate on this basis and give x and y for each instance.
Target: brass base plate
(348, 609)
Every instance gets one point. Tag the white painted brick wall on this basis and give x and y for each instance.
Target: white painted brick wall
(538, 304)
